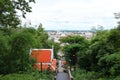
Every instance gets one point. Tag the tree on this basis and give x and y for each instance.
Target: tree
(74, 40)
(75, 48)
(114, 38)
(98, 48)
(56, 49)
(42, 37)
(110, 64)
(103, 52)
(19, 56)
(3, 55)
(71, 53)
(9, 9)
(15, 46)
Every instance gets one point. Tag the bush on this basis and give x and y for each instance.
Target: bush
(110, 64)
(17, 77)
(20, 59)
(27, 76)
(85, 75)
(3, 55)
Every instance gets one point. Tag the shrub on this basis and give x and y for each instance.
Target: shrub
(110, 64)
(85, 75)
(20, 59)
(3, 55)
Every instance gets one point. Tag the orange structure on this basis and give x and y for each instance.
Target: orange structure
(44, 59)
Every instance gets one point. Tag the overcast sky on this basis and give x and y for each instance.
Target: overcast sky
(73, 14)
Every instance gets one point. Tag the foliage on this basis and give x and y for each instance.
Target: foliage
(85, 75)
(74, 48)
(42, 37)
(114, 38)
(103, 53)
(9, 9)
(43, 40)
(16, 41)
(17, 77)
(3, 54)
(91, 75)
(110, 64)
(15, 46)
(73, 40)
(20, 59)
(27, 76)
(71, 53)
(100, 59)
(56, 49)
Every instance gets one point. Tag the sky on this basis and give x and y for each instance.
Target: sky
(73, 14)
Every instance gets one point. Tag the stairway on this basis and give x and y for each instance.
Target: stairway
(63, 74)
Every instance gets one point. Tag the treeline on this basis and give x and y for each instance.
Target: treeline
(16, 40)
(15, 44)
(101, 54)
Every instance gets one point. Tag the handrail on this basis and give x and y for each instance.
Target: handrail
(66, 71)
(70, 75)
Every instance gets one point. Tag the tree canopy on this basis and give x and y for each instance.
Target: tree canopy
(9, 9)
(74, 49)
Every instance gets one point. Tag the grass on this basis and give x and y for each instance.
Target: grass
(26, 76)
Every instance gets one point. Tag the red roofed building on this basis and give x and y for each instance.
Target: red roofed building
(44, 59)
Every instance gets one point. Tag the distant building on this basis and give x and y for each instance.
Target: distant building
(56, 35)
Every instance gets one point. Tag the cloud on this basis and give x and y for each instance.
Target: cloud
(74, 14)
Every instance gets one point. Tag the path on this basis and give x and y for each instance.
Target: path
(62, 74)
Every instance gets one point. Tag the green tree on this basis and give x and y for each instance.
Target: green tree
(42, 37)
(114, 38)
(74, 49)
(104, 52)
(3, 55)
(110, 64)
(73, 40)
(56, 49)
(71, 53)
(15, 46)
(9, 9)
(19, 56)
(33, 33)
(97, 49)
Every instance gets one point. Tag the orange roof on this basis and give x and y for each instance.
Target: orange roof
(42, 55)
(46, 57)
